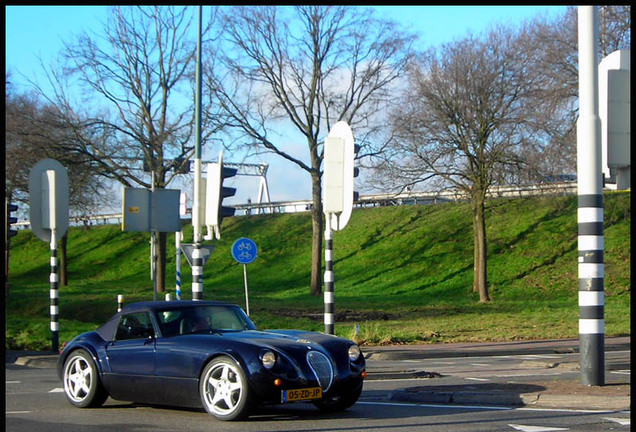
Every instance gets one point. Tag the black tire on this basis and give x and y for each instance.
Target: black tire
(224, 390)
(82, 385)
(340, 403)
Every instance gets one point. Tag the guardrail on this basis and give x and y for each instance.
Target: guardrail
(375, 200)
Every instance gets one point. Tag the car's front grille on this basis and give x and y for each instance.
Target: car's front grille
(321, 366)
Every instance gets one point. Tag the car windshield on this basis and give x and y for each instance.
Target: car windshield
(203, 319)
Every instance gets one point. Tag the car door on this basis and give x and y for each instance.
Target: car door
(131, 357)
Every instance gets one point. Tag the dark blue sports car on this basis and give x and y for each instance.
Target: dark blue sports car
(200, 353)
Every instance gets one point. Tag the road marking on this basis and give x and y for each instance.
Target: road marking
(57, 390)
(477, 379)
(392, 380)
(528, 374)
(620, 421)
(540, 356)
(622, 372)
(411, 405)
(525, 428)
(479, 364)
(13, 382)
(18, 412)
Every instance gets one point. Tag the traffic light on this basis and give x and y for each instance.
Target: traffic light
(10, 220)
(339, 172)
(215, 211)
(355, 171)
(334, 176)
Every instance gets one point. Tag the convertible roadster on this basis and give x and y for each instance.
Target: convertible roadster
(210, 355)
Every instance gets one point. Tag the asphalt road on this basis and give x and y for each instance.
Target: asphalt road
(34, 402)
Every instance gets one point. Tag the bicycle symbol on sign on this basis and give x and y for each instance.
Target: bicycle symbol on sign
(244, 245)
(245, 256)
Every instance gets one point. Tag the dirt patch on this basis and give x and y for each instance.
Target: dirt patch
(574, 387)
(341, 316)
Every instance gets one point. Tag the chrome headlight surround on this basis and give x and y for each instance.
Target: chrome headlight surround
(354, 352)
(268, 359)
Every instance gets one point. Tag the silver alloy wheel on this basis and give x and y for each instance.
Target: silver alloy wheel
(78, 378)
(224, 389)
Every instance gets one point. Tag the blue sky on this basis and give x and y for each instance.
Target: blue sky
(35, 33)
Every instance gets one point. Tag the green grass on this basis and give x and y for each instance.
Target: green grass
(402, 274)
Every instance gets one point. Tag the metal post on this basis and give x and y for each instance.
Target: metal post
(120, 302)
(197, 273)
(197, 262)
(263, 190)
(54, 295)
(590, 206)
(153, 262)
(177, 243)
(153, 247)
(247, 293)
(329, 279)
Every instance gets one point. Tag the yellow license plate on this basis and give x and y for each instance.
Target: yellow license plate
(301, 394)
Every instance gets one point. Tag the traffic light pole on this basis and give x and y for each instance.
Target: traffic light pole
(590, 206)
(329, 278)
(54, 294)
(197, 262)
(337, 199)
(9, 232)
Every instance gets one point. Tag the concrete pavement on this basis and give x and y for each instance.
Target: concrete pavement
(562, 393)
(566, 393)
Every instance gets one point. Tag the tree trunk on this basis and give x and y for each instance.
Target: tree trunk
(317, 223)
(480, 283)
(476, 255)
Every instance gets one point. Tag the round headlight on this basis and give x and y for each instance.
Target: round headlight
(268, 358)
(354, 352)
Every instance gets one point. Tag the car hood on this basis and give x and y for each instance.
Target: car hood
(288, 340)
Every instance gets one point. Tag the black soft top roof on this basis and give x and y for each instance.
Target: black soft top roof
(107, 330)
(169, 305)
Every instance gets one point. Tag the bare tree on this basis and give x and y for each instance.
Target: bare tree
(552, 45)
(137, 102)
(615, 28)
(302, 69)
(462, 122)
(29, 137)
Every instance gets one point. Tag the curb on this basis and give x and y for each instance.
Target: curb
(441, 351)
(537, 400)
(38, 362)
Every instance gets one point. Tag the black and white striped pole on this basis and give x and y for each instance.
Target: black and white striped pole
(590, 206)
(54, 295)
(48, 208)
(338, 197)
(329, 278)
(197, 273)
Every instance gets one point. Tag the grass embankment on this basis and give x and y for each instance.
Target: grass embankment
(403, 274)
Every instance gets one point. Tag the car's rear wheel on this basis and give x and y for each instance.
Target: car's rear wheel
(82, 385)
(224, 389)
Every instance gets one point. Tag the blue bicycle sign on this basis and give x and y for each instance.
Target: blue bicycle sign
(244, 250)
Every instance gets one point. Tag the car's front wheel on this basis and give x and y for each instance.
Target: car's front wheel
(340, 403)
(81, 381)
(224, 389)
